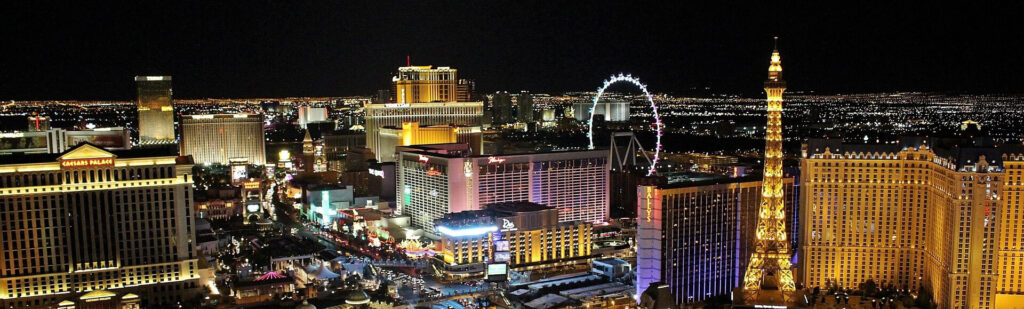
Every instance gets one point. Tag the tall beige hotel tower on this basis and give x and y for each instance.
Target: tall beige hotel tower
(943, 215)
(89, 224)
(769, 260)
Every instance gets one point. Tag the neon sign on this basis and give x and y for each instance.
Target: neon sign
(433, 172)
(251, 185)
(507, 225)
(87, 162)
(492, 160)
(424, 159)
(648, 204)
(467, 231)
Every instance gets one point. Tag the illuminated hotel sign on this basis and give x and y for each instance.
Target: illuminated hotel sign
(251, 185)
(648, 204)
(78, 163)
(492, 160)
(424, 159)
(466, 230)
(507, 225)
(378, 173)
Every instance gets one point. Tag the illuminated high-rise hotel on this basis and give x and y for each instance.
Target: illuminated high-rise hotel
(156, 109)
(95, 221)
(434, 180)
(524, 107)
(942, 214)
(419, 84)
(425, 95)
(220, 138)
(696, 237)
(770, 257)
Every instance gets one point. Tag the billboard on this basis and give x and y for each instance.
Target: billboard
(497, 272)
(238, 172)
(20, 141)
(502, 256)
(105, 139)
(501, 245)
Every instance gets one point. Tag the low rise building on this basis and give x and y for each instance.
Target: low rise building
(218, 209)
(263, 289)
(611, 267)
(325, 203)
(524, 235)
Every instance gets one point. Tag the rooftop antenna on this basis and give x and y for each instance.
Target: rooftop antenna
(408, 60)
(776, 43)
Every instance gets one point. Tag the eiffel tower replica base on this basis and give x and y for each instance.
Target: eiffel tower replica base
(767, 299)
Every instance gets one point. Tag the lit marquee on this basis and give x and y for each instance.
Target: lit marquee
(87, 162)
(467, 230)
(649, 204)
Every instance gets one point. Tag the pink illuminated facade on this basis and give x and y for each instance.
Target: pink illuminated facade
(450, 181)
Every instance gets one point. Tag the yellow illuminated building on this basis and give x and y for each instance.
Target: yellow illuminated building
(422, 94)
(91, 220)
(156, 112)
(220, 138)
(938, 214)
(525, 235)
(424, 84)
(770, 259)
(411, 133)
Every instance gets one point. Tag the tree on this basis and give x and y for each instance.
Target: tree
(907, 301)
(868, 287)
(925, 299)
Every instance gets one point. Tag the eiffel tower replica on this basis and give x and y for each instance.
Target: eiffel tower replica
(769, 271)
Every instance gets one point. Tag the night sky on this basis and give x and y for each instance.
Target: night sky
(217, 49)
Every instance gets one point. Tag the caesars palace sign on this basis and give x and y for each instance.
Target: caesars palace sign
(78, 163)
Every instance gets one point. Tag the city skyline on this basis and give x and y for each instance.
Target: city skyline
(269, 50)
(459, 155)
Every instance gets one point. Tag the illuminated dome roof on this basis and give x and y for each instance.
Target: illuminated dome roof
(357, 297)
